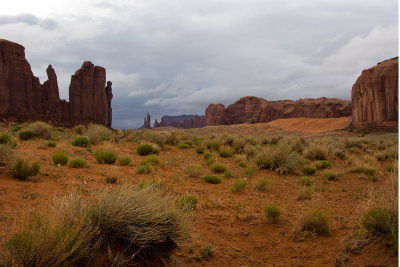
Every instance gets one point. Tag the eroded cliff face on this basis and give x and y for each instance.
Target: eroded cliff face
(181, 121)
(22, 97)
(375, 96)
(255, 110)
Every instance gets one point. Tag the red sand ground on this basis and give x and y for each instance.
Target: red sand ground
(234, 224)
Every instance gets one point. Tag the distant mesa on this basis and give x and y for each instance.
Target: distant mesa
(257, 110)
(375, 96)
(146, 123)
(23, 98)
(181, 121)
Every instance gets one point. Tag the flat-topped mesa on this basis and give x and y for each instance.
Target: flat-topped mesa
(22, 97)
(255, 110)
(375, 96)
(181, 121)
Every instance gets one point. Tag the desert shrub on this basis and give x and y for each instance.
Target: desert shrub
(309, 170)
(238, 186)
(379, 220)
(4, 139)
(183, 146)
(262, 185)
(6, 155)
(298, 145)
(390, 168)
(292, 162)
(125, 160)
(51, 144)
(306, 181)
(226, 151)
(218, 167)
(187, 202)
(98, 133)
(212, 179)
(272, 213)
(329, 176)
(79, 129)
(279, 158)
(315, 221)
(147, 149)
(81, 141)
(323, 164)
(238, 145)
(77, 163)
(353, 142)
(199, 149)
(193, 170)
(213, 145)
(54, 237)
(105, 155)
(146, 221)
(172, 139)
(41, 129)
(25, 135)
(111, 179)
(248, 171)
(250, 150)
(241, 160)
(153, 160)
(59, 158)
(144, 168)
(22, 169)
(316, 152)
(210, 158)
(16, 128)
(305, 194)
(387, 154)
(227, 174)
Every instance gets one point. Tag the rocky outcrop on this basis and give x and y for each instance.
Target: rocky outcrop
(146, 123)
(254, 110)
(374, 96)
(22, 97)
(181, 121)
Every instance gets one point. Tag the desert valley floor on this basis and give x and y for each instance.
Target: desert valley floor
(229, 226)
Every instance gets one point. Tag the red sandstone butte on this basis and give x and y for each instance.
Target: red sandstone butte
(181, 121)
(375, 96)
(255, 110)
(22, 97)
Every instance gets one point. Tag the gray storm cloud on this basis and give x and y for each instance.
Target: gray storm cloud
(176, 57)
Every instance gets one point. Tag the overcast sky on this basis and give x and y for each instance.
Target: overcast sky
(176, 57)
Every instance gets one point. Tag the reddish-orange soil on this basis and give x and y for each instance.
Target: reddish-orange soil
(233, 223)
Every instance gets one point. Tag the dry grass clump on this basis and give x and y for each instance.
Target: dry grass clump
(60, 158)
(146, 221)
(81, 141)
(79, 129)
(125, 160)
(305, 194)
(272, 213)
(309, 170)
(194, 170)
(41, 129)
(25, 134)
(21, 168)
(153, 160)
(212, 179)
(187, 202)
(210, 158)
(316, 152)
(6, 155)
(98, 133)
(105, 155)
(280, 158)
(77, 163)
(4, 139)
(226, 151)
(213, 144)
(218, 167)
(147, 149)
(238, 186)
(315, 221)
(250, 151)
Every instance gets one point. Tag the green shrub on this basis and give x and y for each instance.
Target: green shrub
(330, 176)
(22, 169)
(316, 222)
(218, 167)
(248, 171)
(144, 168)
(390, 168)
(193, 170)
(41, 129)
(200, 150)
(77, 163)
(79, 129)
(226, 151)
(213, 145)
(6, 155)
(238, 186)
(59, 158)
(323, 164)
(183, 146)
(81, 141)
(172, 139)
(25, 135)
(51, 144)
(262, 184)
(250, 150)
(4, 139)
(316, 152)
(147, 149)
(380, 220)
(125, 160)
(279, 158)
(309, 170)
(306, 181)
(272, 213)
(187, 202)
(105, 156)
(152, 160)
(227, 174)
(212, 179)
(16, 128)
